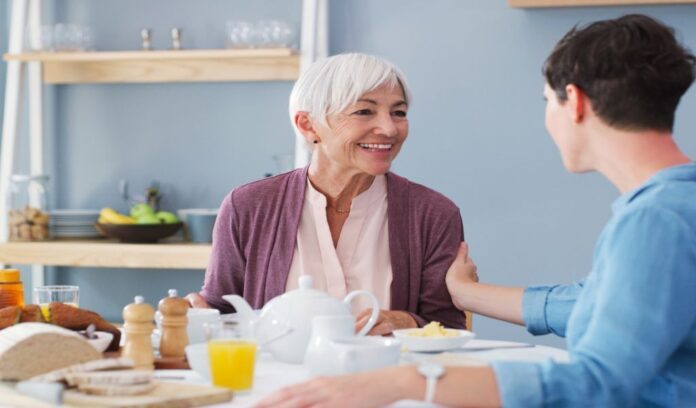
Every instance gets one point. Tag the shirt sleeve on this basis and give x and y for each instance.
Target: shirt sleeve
(546, 309)
(227, 265)
(642, 310)
(434, 301)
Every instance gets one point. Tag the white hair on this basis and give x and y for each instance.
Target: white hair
(332, 84)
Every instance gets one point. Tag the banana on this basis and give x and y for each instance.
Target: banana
(111, 216)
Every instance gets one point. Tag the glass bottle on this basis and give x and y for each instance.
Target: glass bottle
(11, 288)
(28, 219)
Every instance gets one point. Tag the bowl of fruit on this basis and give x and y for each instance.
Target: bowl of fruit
(143, 225)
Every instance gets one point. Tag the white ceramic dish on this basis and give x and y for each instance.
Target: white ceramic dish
(418, 343)
(101, 343)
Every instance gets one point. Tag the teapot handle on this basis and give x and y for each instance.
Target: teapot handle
(375, 309)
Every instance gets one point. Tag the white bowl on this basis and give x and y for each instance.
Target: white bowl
(197, 356)
(101, 343)
(443, 343)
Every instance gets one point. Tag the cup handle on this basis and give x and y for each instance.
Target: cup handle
(375, 309)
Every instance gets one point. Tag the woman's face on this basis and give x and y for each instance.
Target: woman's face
(366, 136)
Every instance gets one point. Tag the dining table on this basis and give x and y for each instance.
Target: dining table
(271, 375)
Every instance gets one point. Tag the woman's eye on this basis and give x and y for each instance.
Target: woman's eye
(400, 113)
(362, 112)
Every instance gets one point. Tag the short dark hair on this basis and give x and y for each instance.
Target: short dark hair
(632, 69)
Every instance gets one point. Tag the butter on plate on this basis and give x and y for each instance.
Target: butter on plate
(433, 329)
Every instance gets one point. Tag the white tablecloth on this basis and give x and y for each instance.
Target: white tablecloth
(272, 375)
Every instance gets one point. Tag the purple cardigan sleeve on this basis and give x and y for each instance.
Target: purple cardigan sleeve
(434, 301)
(225, 273)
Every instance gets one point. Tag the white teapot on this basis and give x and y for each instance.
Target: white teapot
(284, 325)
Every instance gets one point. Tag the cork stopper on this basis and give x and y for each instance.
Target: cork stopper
(173, 305)
(138, 311)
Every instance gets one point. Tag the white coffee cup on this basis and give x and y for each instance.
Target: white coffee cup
(358, 354)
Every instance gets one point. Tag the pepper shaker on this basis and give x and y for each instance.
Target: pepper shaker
(145, 35)
(138, 327)
(174, 337)
(176, 38)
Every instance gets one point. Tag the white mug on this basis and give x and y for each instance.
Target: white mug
(358, 354)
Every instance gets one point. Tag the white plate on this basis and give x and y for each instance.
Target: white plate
(418, 343)
(101, 343)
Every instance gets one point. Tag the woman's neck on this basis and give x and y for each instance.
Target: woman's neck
(339, 186)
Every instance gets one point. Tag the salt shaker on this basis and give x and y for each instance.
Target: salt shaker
(145, 35)
(176, 38)
(174, 321)
(138, 326)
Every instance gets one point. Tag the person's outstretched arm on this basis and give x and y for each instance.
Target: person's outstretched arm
(467, 293)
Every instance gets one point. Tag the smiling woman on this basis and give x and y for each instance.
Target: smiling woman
(345, 220)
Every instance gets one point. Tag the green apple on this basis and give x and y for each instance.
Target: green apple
(141, 209)
(167, 217)
(147, 219)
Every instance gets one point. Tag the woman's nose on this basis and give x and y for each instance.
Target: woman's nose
(386, 126)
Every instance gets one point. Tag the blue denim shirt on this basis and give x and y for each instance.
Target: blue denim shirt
(631, 323)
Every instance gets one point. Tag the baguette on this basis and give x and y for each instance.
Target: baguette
(9, 316)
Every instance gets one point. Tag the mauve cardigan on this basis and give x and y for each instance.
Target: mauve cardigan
(256, 230)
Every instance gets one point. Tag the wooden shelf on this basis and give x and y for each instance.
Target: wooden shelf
(588, 3)
(105, 253)
(277, 64)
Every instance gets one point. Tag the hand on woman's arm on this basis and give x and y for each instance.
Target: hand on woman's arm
(488, 300)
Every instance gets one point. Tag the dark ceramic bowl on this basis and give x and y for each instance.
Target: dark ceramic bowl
(138, 233)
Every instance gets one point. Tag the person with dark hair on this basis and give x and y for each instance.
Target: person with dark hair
(612, 89)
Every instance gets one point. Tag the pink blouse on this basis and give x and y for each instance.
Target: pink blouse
(361, 258)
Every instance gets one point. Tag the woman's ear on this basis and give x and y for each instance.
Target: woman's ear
(575, 104)
(304, 123)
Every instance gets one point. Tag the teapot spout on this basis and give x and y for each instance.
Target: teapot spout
(241, 306)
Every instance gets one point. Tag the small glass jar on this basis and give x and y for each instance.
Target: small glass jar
(28, 218)
(11, 288)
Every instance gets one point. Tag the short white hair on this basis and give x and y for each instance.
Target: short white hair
(332, 84)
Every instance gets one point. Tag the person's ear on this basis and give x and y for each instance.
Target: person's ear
(575, 103)
(305, 124)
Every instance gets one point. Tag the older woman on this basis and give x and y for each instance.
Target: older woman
(345, 220)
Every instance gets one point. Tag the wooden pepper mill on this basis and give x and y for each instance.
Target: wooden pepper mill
(174, 321)
(138, 326)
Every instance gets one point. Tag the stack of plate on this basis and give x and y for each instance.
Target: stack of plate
(74, 223)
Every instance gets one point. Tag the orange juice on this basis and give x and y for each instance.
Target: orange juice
(232, 363)
(45, 310)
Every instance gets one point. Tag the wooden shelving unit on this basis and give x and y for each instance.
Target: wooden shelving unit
(588, 3)
(278, 64)
(105, 253)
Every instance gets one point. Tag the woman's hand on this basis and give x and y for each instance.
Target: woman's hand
(197, 301)
(462, 272)
(371, 389)
(387, 321)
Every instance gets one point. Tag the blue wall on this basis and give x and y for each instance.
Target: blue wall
(477, 130)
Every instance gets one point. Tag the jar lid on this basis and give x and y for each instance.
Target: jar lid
(9, 275)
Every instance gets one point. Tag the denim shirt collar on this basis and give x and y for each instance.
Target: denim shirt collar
(680, 172)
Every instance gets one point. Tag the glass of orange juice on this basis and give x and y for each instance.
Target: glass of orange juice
(232, 359)
(44, 295)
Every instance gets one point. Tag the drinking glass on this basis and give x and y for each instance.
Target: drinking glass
(44, 295)
(232, 359)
